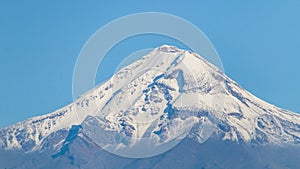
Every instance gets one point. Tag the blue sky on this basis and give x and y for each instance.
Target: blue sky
(258, 42)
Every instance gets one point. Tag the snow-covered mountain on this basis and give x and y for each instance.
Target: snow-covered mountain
(163, 97)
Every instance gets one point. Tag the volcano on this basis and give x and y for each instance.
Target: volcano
(169, 109)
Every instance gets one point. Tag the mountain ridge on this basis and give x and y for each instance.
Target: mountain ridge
(236, 114)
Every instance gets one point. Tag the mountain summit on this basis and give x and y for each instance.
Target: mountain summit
(150, 106)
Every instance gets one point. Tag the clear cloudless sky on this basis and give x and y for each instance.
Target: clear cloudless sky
(258, 42)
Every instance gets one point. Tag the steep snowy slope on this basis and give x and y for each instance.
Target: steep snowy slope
(166, 95)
